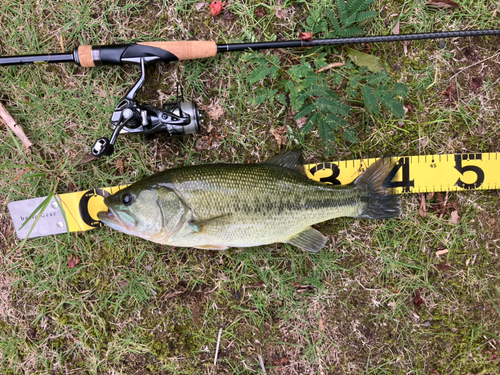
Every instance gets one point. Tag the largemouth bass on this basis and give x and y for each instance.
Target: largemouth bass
(217, 206)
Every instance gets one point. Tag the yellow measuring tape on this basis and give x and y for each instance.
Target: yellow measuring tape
(411, 174)
(421, 174)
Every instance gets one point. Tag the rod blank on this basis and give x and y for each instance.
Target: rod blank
(353, 40)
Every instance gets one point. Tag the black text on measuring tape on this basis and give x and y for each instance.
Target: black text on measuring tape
(329, 166)
(472, 168)
(405, 183)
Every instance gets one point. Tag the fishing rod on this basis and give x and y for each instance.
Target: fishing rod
(178, 118)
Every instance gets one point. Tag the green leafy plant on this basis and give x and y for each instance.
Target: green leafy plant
(312, 92)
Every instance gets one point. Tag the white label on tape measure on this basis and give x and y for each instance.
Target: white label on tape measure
(51, 220)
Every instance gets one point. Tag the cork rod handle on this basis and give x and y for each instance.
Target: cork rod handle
(90, 56)
(186, 50)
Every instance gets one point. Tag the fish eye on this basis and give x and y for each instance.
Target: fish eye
(127, 199)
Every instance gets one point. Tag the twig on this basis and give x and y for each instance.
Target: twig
(61, 42)
(9, 121)
(262, 364)
(444, 204)
(19, 176)
(329, 66)
(217, 347)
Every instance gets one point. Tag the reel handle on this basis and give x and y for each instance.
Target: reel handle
(102, 147)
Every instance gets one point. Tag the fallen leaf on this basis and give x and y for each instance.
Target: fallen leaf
(73, 261)
(405, 46)
(200, 6)
(214, 110)
(216, 7)
(409, 107)
(181, 290)
(441, 252)
(422, 210)
(72, 187)
(87, 158)
(363, 59)
(207, 142)
(395, 29)
(417, 299)
(303, 288)
(202, 143)
(451, 92)
(493, 357)
(228, 15)
(476, 83)
(258, 284)
(280, 12)
(455, 219)
(443, 267)
(301, 121)
(260, 12)
(120, 165)
(278, 134)
(306, 37)
(321, 324)
(122, 284)
(280, 362)
(442, 4)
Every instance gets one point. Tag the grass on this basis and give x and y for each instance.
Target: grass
(132, 306)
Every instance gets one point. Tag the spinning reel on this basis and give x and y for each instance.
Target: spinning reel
(176, 118)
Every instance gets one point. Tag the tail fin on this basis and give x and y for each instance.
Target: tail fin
(379, 201)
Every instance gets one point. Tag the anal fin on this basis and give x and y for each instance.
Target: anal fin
(309, 239)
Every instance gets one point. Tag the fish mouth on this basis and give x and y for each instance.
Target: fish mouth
(113, 220)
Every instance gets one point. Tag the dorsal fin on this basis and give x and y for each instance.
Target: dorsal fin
(290, 159)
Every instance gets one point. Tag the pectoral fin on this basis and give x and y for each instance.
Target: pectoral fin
(198, 225)
(309, 239)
